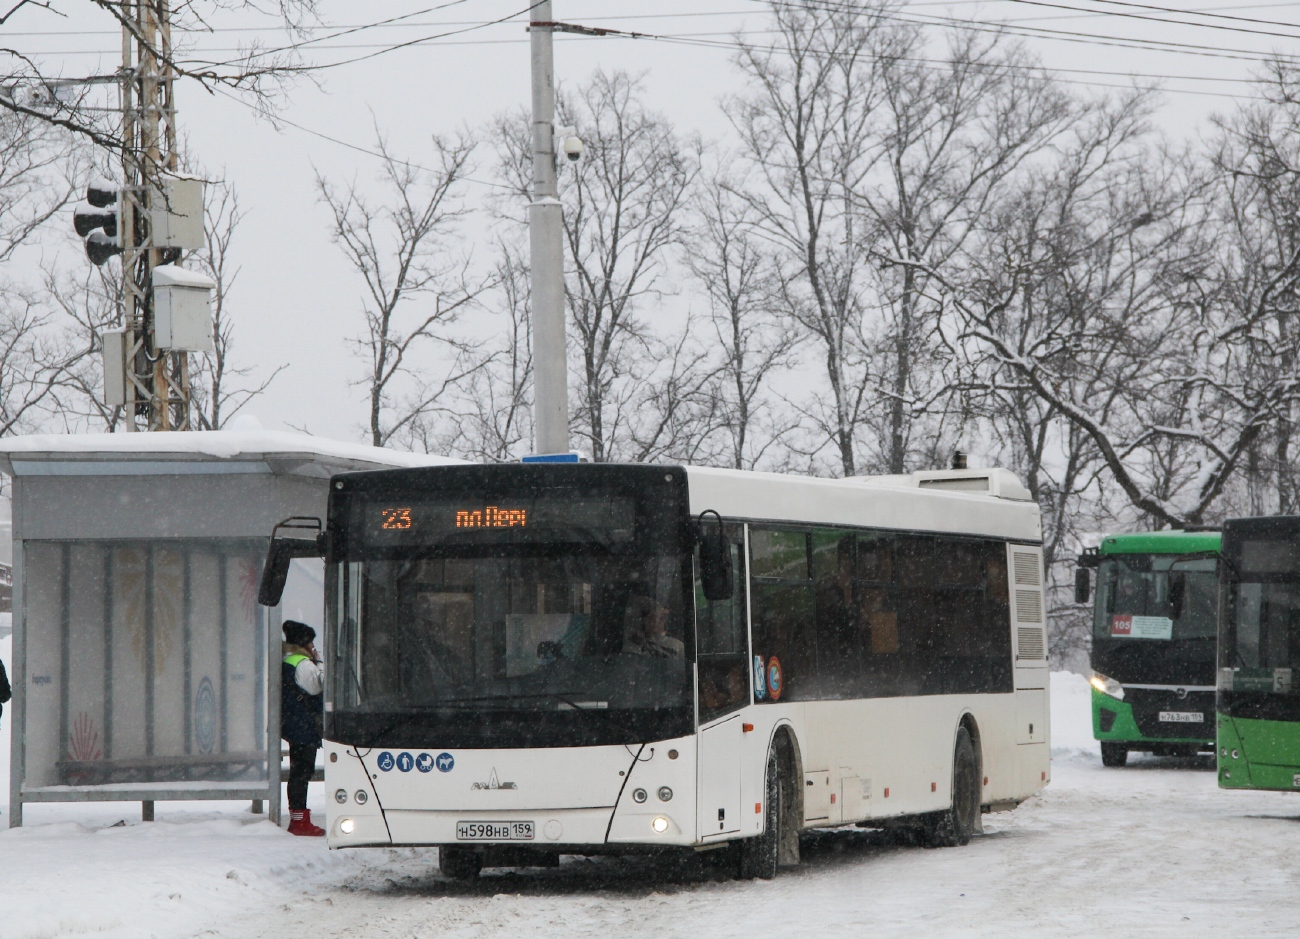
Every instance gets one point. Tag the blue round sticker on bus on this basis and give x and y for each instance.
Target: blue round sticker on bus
(760, 685)
(774, 678)
(445, 762)
(385, 761)
(424, 762)
(405, 762)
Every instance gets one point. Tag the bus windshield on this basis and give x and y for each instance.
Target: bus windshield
(541, 617)
(532, 633)
(1137, 597)
(1261, 643)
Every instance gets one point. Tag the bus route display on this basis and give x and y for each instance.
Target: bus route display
(398, 521)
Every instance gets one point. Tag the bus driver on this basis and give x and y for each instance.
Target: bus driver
(645, 625)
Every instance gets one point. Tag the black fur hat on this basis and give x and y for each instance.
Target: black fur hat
(299, 634)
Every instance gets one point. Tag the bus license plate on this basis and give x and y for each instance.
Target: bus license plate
(494, 831)
(1182, 717)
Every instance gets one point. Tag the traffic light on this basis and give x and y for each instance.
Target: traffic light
(95, 220)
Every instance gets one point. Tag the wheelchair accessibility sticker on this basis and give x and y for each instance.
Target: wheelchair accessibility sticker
(385, 761)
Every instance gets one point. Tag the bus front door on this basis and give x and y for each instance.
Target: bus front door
(719, 762)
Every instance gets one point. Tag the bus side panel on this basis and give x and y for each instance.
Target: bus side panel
(893, 756)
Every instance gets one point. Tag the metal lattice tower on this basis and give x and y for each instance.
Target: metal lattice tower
(157, 381)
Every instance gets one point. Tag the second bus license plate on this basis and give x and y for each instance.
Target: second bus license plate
(1182, 717)
(494, 831)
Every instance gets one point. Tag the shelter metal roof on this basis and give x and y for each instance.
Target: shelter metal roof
(198, 452)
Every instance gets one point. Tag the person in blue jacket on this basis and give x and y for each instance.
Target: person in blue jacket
(301, 709)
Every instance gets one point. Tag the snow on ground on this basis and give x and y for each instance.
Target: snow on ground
(1154, 849)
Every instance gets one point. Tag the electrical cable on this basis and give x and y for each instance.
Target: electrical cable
(1156, 19)
(300, 69)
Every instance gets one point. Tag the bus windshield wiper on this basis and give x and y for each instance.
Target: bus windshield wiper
(561, 695)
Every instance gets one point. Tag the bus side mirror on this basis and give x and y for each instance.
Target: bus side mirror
(716, 573)
(275, 572)
(1082, 585)
(1177, 593)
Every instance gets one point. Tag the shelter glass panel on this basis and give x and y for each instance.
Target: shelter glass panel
(146, 662)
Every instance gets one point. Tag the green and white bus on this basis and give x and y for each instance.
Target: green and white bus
(1153, 640)
(1259, 645)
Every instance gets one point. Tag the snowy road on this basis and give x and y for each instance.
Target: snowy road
(1154, 849)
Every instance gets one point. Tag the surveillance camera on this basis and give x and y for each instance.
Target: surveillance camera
(573, 148)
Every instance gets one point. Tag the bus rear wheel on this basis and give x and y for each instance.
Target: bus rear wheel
(459, 863)
(761, 856)
(1113, 754)
(954, 827)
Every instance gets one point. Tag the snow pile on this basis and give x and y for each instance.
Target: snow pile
(222, 444)
(1072, 716)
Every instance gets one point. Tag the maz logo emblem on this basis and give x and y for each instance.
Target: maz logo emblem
(493, 783)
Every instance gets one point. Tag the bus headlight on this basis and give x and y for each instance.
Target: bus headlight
(639, 795)
(665, 794)
(347, 826)
(660, 824)
(341, 796)
(1107, 685)
(361, 797)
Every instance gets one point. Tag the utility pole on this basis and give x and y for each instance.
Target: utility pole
(157, 380)
(546, 244)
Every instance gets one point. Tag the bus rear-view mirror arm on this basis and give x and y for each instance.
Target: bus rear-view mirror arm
(715, 559)
(1082, 585)
(282, 551)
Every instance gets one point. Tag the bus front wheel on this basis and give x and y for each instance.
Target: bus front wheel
(459, 864)
(760, 856)
(1113, 754)
(954, 827)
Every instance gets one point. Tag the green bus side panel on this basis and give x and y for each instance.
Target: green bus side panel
(1125, 728)
(1161, 542)
(1268, 754)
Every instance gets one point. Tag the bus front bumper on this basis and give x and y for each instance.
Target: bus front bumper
(1113, 722)
(1243, 744)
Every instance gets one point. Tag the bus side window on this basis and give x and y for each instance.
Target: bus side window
(838, 614)
(784, 609)
(721, 643)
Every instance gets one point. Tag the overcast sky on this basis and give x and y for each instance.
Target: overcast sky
(296, 302)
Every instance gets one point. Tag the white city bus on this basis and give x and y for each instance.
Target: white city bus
(531, 660)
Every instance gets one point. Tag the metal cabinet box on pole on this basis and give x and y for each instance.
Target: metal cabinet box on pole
(114, 367)
(182, 309)
(176, 214)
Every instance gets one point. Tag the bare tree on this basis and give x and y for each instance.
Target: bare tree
(90, 301)
(864, 150)
(804, 128)
(218, 386)
(1256, 165)
(416, 283)
(490, 415)
(734, 268)
(257, 75)
(623, 207)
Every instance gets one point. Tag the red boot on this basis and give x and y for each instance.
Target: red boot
(300, 824)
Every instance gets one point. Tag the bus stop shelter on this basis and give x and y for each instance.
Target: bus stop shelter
(143, 668)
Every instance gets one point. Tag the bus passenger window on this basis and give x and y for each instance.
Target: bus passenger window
(784, 610)
(722, 652)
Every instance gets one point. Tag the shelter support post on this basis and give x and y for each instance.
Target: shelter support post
(18, 672)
